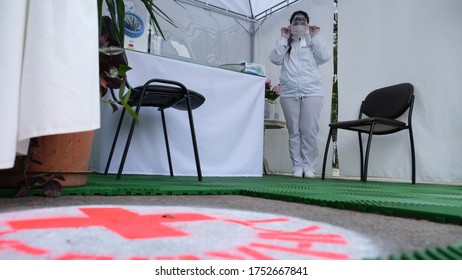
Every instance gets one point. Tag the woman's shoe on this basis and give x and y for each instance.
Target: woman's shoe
(310, 175)
(298, 174)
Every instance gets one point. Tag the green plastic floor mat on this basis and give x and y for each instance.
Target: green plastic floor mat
(433, 202)
(438, 203)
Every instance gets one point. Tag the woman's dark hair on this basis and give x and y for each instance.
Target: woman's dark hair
(305, 15)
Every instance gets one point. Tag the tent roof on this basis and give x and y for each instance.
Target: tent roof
(250, 9)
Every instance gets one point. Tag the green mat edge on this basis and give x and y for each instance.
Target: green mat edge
(449, 252)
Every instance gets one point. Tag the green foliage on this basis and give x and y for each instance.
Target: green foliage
(112, 73)
(48, 182)
(116, 10)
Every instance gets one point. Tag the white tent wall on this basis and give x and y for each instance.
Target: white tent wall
(394, 41)
(276, 140)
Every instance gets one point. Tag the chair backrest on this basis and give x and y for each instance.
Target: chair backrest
(388, 102)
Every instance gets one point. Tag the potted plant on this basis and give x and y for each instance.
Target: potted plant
(272, 94)
(112, 72)
(53, 161)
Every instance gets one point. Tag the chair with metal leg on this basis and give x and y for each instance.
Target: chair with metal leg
(378, 115)
(161, 94)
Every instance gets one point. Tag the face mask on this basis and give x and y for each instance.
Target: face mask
(298, 31)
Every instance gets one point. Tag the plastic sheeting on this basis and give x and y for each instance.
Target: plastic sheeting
(253, 9)
(202, 36)
(214, 32)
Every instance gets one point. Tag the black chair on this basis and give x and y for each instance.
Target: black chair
(381, 108)
(158, 93)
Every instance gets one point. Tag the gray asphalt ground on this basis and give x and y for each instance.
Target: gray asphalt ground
(393, 235)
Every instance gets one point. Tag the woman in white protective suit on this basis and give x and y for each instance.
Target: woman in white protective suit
(300, 50)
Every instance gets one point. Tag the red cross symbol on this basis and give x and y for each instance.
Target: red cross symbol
(127, 224)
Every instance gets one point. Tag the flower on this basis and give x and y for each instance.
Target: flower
(272, 92)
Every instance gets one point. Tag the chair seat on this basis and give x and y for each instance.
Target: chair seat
(382, 125)
(166, 96)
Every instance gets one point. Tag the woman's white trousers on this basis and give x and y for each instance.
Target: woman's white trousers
(302, 120)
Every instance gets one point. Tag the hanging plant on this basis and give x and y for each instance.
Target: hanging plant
(112, 74)
(50, 183)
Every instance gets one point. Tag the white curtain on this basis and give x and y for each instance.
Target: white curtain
(417, 41)
(49, 73)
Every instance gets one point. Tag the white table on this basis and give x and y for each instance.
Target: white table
(229, 125)
(49, 72)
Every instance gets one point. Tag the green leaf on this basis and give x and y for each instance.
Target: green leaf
(100, 16)
(127, 95)
(114, 107)
(113, 104)
(153, 11)
(122, 88)
(121, 20)
(123, 69)
(131, 112)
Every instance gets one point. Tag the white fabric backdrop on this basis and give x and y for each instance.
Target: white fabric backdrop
(321, 14)
(394, 41)
(49, 73)
(229, 125)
